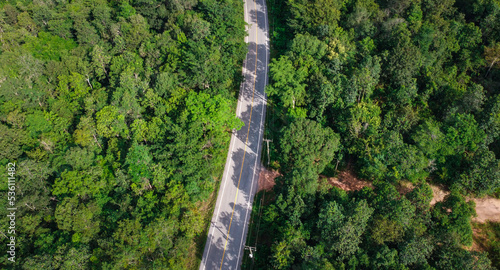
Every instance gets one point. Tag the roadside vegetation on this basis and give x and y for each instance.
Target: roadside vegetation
(118, 116)
(487, 237)
(398, 91)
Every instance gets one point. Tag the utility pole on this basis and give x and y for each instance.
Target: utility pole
(252, 250)
(268, 157)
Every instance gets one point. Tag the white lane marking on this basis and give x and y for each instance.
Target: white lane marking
(232, 143)
(245, 17)
(260, 130)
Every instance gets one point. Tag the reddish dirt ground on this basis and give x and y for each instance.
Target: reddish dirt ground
(266, 179)
(348, 181)
(487, 209)
(404, 187)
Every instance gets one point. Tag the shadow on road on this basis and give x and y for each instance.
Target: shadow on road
(259, 16)
(233, 247)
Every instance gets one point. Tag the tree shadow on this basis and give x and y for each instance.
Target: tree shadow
(259, 15)
(245, 156)
(219, 247)
(252, 98)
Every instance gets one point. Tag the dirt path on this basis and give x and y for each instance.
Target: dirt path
(487, 209)
(348, 181)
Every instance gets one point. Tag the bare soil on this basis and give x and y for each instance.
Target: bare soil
(480, 240)
(405, 187)
(266, 179)
(487, 209)
(438, 194)
(348, 181)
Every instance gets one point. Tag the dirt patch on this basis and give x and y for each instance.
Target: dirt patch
(405, 187)
(487, 209)
(480, 239)
(438, 194)
(348, 181)
(266, 179)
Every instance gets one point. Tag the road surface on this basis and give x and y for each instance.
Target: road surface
(228, 229)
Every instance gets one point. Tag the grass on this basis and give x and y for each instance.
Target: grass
(487, 237)
(254, 227)
(207, 207)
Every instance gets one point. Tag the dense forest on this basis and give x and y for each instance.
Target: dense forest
(399, 91)
(117, 115)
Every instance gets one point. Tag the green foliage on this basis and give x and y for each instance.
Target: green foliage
(110, 123)
(78, 218)
(306, 144)
(377, 229)
(385, 230)
(454, 257)
(139, 162)
(483, 175)
(214, 113)
(49, 47)
(462, 134)
(346, 237)
(288, 82)
(421, 197)
(364, 120)
(396, 160)
(456, 221)
(489, 236)
(385, 93)
(37, 124)
(119, 116)
(310, 15)
(429, 138)
(416, 251)
(78, 183)
(410, 87)
(126, 10)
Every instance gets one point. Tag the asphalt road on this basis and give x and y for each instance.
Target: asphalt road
(229, 226)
